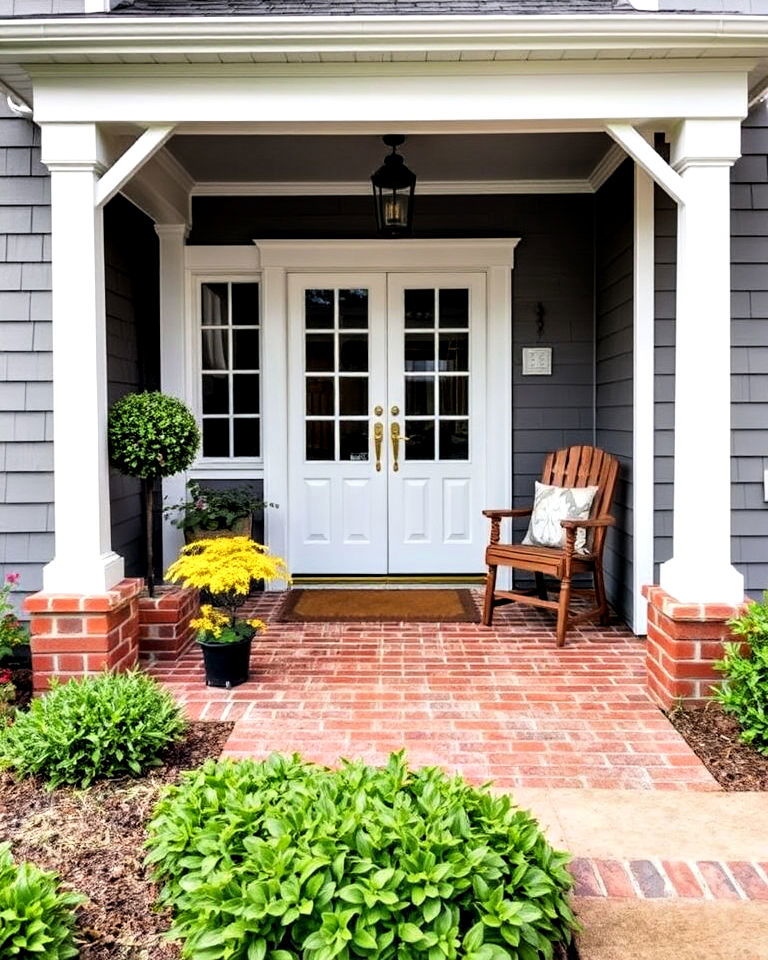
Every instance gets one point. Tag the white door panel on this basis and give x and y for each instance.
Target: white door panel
(436, 378)
(403, 351)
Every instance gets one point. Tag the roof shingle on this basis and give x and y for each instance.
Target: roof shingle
(324, 8)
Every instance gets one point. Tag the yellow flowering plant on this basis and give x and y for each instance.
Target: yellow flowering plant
(226, 568)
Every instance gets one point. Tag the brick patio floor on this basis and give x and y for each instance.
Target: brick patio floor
(503, 703)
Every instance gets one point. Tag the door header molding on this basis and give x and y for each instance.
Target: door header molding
(387, 255)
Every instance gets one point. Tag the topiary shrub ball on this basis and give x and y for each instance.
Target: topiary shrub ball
(151, 435)
(36, 918)
(112, 725)
(282, 859)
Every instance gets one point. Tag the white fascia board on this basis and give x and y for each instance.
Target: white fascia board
(115, 35)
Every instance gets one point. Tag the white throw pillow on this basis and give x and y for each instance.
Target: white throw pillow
(551, 505)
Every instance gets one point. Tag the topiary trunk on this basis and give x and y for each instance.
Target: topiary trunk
(149, 530)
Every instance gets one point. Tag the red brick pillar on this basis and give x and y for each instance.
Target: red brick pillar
(74, 634)
(164, 622)
(684, 641)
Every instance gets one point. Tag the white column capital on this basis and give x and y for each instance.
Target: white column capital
(73, 146)
(705, 143)
(172, 230)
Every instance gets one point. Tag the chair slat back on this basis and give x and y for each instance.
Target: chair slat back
(585, 467)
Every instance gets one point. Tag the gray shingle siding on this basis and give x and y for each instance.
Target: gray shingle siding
(26, 450)
(131, 262)
(614, 275)
(664, 379)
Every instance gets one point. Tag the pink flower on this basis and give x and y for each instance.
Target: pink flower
(12, 577)
(5, 676)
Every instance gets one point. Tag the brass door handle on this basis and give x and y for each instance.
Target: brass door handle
(378, 437)
(394, 432)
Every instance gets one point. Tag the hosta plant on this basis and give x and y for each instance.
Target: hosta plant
(36, 918)
(112, 725)
(281, 859)
(744, 691)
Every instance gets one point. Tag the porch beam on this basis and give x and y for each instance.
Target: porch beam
(131, 161)
(646, 157)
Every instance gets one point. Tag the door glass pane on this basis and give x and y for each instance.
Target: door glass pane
(320, 440)
(353, 352)
(245, 349)
(318, 305)
(245, 304)
(214, 309)
(319, 392)
(454, 351)
(216, 437)
(454, 396)
(320, 352)
(421, 442)
(454, 440)
(353, 309)
(245, 393)
(215, 349)
(419, 308)
(419, 351)
(246, 437)
(353, 396)
(215, 393)
(353, 440)
(419, 396)
(454, 308)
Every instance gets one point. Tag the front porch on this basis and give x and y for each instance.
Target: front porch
(501, 703)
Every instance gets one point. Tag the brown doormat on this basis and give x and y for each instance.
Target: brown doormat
(382, 606)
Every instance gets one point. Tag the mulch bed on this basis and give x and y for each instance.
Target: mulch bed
(714, 738)
(94, 840)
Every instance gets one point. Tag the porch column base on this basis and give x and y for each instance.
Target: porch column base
(77, 574)
(77, 634)
(684, 641)
(164, 622)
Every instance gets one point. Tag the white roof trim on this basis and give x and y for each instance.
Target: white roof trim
(114, 34)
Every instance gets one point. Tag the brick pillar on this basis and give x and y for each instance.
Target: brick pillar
(164, 629)
(684, 641)
(75, 634)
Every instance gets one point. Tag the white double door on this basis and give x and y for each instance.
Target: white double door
(387, 411)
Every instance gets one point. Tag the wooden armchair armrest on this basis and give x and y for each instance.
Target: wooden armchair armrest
(605, 521)
(501, 514)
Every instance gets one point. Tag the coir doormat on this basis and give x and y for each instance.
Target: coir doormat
(380, 606)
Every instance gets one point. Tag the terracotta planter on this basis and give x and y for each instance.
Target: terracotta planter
(240, 528)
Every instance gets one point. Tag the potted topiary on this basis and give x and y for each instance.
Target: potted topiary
(226, 567)
(207, 513)
(151, 436)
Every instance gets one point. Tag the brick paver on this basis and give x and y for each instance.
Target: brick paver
(502, 703)
(654, 879)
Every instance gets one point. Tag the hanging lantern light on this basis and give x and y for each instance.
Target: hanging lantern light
(393, 189)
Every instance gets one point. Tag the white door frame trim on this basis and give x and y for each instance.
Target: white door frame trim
(278, 258)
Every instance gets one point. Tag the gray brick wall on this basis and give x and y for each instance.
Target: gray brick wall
(614, 274)
(26, 451)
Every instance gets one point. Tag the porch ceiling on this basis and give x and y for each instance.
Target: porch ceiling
(342, 159)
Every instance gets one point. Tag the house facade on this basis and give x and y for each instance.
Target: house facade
(186, 205)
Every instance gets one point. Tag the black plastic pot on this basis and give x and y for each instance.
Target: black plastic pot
(226, 664)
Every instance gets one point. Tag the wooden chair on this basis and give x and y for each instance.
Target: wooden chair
(572, 467)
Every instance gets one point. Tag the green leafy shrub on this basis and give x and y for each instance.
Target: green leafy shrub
(281, 859)
(113, 725)
(744, 692)
(151, 435)
(36, 918)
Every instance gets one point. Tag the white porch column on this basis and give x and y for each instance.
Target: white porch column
(84, 561)
(173, 361)
(700, 570)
